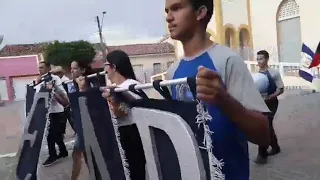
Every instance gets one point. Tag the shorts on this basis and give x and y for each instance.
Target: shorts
(79, 144)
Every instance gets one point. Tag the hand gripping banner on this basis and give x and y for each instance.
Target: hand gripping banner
(103, 155)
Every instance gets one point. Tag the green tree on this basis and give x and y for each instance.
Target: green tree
(63, 53)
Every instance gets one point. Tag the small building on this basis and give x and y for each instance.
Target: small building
(146, 59)
(18, 66)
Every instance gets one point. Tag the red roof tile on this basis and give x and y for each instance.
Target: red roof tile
(131, 50)
(22, 49)
(138, 49)
(143, 49)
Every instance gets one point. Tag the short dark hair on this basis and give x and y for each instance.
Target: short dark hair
(196, 4)
(264, 53)
(46, 63)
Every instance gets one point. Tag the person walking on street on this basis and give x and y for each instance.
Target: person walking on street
(60, 72)
(56, 112)
(275, 88)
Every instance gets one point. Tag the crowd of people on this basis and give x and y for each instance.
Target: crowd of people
(224, 85)
(120, 73)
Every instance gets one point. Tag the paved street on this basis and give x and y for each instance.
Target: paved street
(297, 125)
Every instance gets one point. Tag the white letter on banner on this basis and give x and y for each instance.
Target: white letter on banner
(91, 142)
(26, 135)
(181, 135)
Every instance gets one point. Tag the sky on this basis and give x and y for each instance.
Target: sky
(126, 21)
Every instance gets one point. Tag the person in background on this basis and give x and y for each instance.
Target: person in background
(223, 83)
(275, 88)
(58, 70)
(56, 116)
(121, 74)
(79, 69)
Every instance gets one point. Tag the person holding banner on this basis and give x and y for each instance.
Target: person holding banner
(275, 88)
(56, 110)
(223, 84)
(78, 71)
(61, 73)
(121, 74)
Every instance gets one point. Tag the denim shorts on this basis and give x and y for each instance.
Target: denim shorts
(79, 144)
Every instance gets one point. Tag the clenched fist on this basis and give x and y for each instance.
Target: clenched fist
(82, 83)
(210, 88)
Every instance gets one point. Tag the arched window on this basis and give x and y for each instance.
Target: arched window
(244, 46)
(229, 37)
(288, 9)
(289, 32)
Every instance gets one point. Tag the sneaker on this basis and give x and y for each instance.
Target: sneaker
(274, 151)
(50, 161)
(261, 160)
(63, 155)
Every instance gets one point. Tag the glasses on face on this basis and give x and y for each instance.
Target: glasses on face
(107, 64)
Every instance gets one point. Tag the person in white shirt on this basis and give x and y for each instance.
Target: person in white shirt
(56, 112)
(121, 74)
(58, 70)
(79, 69)
(275, 89)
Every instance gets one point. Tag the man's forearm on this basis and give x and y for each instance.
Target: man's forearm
(254, 124)
(276, 94)
(64, 101)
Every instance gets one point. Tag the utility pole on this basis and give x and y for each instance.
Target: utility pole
(1, 38)
(102, 45)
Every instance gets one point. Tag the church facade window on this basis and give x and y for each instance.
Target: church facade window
(289, 32)
(288, 9)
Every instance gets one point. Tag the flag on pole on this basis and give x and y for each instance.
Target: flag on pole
(316, 58)
(306, 60)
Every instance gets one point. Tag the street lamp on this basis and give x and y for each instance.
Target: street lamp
(103, 49)
(103, 13)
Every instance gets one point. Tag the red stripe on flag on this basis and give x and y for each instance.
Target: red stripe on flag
(316, 61)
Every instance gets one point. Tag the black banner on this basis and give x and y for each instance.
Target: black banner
(91, 112)
(33, 135)
(29, 98)
(170, 134)
(166, 152)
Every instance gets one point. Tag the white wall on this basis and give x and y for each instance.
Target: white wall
(3, 90)
(148, 60)
(212, 24)
(235, 12)
(263, 18)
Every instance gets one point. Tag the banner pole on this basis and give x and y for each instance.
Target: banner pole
(150, 85)
(138, 86)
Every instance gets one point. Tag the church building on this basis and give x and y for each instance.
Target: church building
(278, 26)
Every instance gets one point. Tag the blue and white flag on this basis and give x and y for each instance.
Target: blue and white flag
(306, 58)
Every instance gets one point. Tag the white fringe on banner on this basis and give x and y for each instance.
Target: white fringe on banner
(125, 164)
(202, 119)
